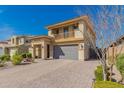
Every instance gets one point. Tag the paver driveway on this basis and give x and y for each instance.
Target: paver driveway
(49, 74)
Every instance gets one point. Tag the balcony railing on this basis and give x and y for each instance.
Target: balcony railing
(71, 34)
(64, 35)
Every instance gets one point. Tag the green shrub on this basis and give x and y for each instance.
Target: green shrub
(24, 55)
(5, 58)
(107, 84)
(28, 55)
(17, 59)
(120, 64)
(99, 73)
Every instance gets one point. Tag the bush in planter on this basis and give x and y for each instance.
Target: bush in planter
(28, 55)
(24, 55)
(99, 73)
(17, 59)
(5, 58)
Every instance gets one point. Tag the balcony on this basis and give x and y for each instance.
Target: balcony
(71, 34)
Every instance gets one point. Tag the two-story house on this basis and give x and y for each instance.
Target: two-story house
(65, 40)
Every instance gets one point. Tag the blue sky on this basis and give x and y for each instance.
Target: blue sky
(31, 20)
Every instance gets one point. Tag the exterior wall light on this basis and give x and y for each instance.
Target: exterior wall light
(82, 46)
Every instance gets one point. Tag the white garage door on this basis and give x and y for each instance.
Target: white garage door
(66, 52)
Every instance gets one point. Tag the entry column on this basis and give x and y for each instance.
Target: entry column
(43, 48)
(33, 51)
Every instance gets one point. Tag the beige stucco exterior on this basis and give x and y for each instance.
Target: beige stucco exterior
(75, 36)
(72, 37)
(3, 48)
(39, 47)
(19, 44)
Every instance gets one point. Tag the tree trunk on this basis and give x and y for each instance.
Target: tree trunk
(104, 73)
(111, 71)
(104, 68)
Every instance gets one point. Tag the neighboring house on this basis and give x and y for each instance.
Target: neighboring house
(115, 48)
(18, 44)
(3, 44)
(65, 40)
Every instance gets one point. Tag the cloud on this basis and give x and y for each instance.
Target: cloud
(6, 32)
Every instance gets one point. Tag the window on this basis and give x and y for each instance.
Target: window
(27, 41)
(12, 40)
(56, 31)
(21, 40)
(75, 27)
(66, 34)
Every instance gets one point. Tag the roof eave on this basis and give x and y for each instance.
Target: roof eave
(68, 21)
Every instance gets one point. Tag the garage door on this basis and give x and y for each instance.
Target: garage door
(12, 52)
(66, 52)
(1, 51)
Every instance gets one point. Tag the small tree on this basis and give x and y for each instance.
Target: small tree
(107, 22)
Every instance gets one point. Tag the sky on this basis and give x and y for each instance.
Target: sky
(32, 20)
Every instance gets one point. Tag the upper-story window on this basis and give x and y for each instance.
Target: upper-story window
(56, 31)
(75, 26)
(66, 34)
(12, 40)
(21, 41)
(27, 41)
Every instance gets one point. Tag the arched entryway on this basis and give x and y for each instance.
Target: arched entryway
(42, 47)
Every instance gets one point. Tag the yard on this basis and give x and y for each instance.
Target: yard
(49, 74)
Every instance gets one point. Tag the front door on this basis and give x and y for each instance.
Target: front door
(48, 50)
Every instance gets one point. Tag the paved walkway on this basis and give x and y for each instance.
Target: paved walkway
(49, 74)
